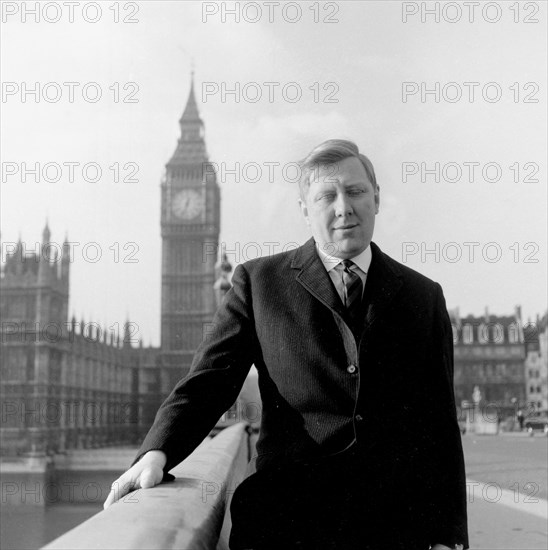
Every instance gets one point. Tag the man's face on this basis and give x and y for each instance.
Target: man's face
(340, 208)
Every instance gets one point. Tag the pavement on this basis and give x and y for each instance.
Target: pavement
(507, 486)
(496, 526)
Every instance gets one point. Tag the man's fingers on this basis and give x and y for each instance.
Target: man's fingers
(118, 489)
(150, 477)
(110, 499)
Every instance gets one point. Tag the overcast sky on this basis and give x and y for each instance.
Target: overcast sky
(350, 73)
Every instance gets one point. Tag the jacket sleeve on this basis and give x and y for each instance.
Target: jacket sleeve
(450, 492)
(216, 376)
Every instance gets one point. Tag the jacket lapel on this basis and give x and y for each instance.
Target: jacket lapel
(383, 282)
(314, 277)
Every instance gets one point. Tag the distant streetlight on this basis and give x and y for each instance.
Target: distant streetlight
(476, 395)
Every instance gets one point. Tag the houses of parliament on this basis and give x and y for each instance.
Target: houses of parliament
(66, 384)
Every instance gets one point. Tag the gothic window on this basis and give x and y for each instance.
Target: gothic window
(55, 308)
(483, 333)
(498, 333)
(31, 307)
(55, 367)
(176, 336)
(513, 334)
(13, 365)
(31, 412)
(30, 363)
(18, 308)
(467, 334)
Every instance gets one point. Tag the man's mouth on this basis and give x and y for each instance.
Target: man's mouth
(347, 226)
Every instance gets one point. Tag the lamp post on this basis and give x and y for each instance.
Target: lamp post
(476, 421)
(514, 402)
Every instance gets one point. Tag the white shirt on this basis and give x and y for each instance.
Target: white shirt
(361, 266)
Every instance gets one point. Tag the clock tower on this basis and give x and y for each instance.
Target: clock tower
(190, 221)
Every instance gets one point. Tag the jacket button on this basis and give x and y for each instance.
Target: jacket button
(351, 369)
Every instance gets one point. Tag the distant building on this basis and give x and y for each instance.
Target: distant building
(536, 366)
(490, 353)
(69, 384)
(190, 223)
(64, 384)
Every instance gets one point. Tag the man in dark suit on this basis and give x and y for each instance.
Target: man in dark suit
(359, 444)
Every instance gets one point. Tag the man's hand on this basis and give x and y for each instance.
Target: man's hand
(147, 473)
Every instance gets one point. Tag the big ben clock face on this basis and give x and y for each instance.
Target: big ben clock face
(187, 204)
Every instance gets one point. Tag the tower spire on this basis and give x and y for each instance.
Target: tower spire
(191, 147)
(46, 233)
(191, 113)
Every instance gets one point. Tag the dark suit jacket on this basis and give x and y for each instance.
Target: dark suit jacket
(390, 424)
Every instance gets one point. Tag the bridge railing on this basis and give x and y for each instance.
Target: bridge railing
(190, 512)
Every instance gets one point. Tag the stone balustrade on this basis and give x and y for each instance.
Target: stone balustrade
(188, 513)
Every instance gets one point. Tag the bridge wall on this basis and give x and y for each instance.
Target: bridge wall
(186, 513)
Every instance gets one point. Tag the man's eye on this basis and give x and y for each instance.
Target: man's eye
(326, 196)
(356, 192)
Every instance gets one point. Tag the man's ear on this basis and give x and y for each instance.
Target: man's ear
(377, 199)
(304, 211)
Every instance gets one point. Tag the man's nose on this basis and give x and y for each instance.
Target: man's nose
(343, 205)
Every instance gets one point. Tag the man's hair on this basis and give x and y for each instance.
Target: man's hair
(328, 153)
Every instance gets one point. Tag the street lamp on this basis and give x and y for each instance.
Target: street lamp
(514, 402)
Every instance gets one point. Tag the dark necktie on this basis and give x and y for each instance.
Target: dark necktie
(353, 289)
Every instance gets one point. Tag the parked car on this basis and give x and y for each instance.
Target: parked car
(536, 422)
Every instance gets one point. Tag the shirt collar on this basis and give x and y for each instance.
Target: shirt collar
(362, 260)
